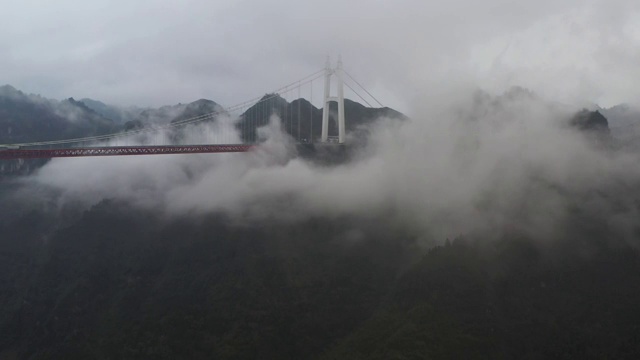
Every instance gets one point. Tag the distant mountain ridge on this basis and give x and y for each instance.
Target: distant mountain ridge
(33, 118)
(118, 114)
(30, 118)
(301, 119)
(26, 118)
(624, 122)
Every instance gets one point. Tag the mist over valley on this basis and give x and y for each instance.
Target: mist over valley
(489, 209)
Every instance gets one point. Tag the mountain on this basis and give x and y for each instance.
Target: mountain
(121, 283)
(118, 281)
(119, 115)
(624, 121)
(590, 121)
(173, 113)
(198, 108)
(302, 120)
(622, 115)
(31, 118)
(595, 126)
(517, 100)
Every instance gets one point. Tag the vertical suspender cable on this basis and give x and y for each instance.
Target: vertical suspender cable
(311, 112)
(299, 104)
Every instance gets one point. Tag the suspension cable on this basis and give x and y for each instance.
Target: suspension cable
(307, 79)
(355, 92)
(363, 88)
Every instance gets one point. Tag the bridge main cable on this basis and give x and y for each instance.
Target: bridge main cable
(5, 149)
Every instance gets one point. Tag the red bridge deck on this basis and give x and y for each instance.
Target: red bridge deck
(121, 150)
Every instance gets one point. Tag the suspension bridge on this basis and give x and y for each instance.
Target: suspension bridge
(232, 129)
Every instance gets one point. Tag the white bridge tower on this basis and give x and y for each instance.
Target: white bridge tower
(328, 98)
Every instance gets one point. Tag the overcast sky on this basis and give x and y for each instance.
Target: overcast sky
(156, 52)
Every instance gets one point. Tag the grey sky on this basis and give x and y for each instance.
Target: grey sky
(162, 52)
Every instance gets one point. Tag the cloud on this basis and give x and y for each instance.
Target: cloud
(476, 164)
(161, 52)
(465, 163)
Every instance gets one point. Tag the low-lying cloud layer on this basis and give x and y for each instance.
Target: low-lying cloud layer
(473, 165)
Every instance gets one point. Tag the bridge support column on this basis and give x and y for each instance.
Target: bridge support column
(328, 99)
(325, 104)
(341, 124)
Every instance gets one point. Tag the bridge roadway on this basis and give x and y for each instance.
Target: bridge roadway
(25, 153)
